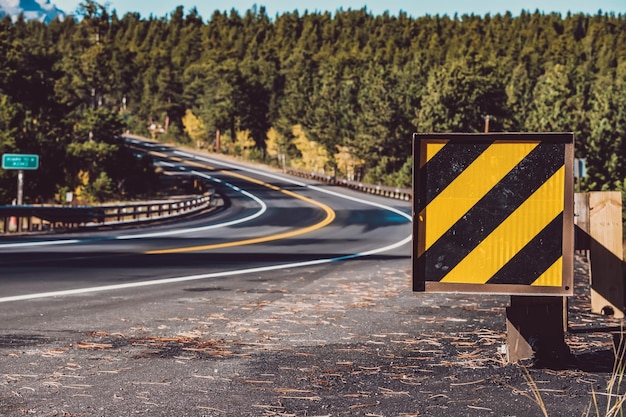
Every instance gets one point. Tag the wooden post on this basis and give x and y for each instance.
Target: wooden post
(536, 329)
(606, 253)
(581, 220)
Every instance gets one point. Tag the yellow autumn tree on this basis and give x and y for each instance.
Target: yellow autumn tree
(314, 156)
(195, 129)
(272, 143)
(243, 143)
(82, 181)
(276, 146)
(347, 162)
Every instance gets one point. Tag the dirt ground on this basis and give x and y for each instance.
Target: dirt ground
(353, 342)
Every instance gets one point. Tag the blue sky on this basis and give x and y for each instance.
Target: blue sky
(414, 8)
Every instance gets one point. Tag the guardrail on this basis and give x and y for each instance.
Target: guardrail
(48, 218)
(391, 192)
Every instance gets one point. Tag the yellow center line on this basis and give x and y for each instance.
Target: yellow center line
(177, 159)
(200, 165)
(252, 180)
(330, 216)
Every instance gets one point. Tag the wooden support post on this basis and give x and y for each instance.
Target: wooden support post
(536, 329)
(606, 253)
(581, 221)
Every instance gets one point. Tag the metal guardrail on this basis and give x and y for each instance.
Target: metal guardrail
(390, 192)
(48, 218)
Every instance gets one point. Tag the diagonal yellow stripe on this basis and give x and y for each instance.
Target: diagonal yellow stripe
(513, 234)
(552, 277)
(431, 149)
(470, 186)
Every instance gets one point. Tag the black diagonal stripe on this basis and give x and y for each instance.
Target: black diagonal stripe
(502, 200)
(534, 258)
(444, 167)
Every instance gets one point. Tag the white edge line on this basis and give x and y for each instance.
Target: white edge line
(302, 184)
(263, 209)
(198, 277)
(241, 168)
(235, 272)
(41, 243)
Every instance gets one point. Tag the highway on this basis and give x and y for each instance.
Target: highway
(268, 224)
(148, 320)
(289, 297)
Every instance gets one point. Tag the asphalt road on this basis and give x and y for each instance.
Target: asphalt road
(265, 223)
(290, 299)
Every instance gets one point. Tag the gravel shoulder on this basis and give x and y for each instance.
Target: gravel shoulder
(351, 340)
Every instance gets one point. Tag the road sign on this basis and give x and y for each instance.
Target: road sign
(493, 213)
(20, 161)
(580, 168)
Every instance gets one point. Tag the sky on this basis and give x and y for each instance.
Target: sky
(414, 8)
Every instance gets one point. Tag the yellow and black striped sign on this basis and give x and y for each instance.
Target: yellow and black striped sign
(493, 213)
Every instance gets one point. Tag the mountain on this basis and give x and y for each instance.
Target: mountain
(41, 10)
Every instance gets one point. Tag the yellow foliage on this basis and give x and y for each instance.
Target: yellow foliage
(347, 162)
(227, 145)
(83, 180)
(314, 155)
(78, 192)
(273, 143)
(194, 127)
(276, 146)
(83, 177)
(243, 142)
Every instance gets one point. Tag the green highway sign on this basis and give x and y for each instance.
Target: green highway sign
(20, 161)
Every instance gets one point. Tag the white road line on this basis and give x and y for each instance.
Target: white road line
(262, 209)
(235, 272)
(188, 278)
(241, 168)
(299, 183)
(41, 243)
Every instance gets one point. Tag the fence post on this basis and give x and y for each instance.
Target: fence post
(606, 253)
(536, 329)
(581, 222)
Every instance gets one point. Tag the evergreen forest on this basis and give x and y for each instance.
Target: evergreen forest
(340, 93)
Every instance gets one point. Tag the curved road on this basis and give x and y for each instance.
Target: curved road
(293, 298)
(269, 224)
